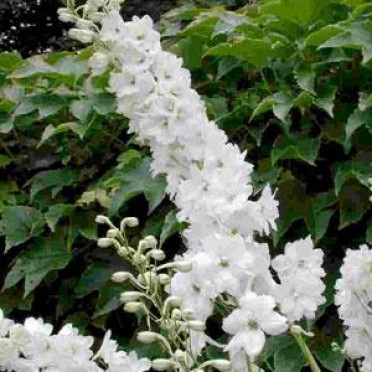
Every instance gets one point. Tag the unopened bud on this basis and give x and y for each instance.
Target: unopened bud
(180, 355)
(183, 266)
(120, 276)
(147, 337)
(96, 16)
(133, 307)
(122, 251)
(112, 233)
(222, 364)
(164, 279)
(196, 325)
(84, 24)
(130, 221)
(104, 242)
(161, 364)
(151, 241)
(176, 314)
(156, 254)
(102, 219)
(174, 301)
(84, 36)
(130, 296)
(66, 15)
(188, 314)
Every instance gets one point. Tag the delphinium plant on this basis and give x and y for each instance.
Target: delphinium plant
(227, 270)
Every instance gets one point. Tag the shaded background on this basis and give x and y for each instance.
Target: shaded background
(32, 26)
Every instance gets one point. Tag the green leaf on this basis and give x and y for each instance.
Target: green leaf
(97, 274)
(133, 179)
(10, 61)
(12, 298)
(264, 174)
(283, 102)
(6, 123)
(325, 98)
(305, 77)
(56, 212)
(170, 227)
(19, 224)
(81, 109)
(54, 179)
(318, 214)
(356, 120)
(191, 50)
(104, 103)
(109, 298)
(320, 36)
(357, 35)
(305, 149)
(33, 264)
(301, 12)
(354, 203)
(352, 170)
(289, 358)
(332, 360)
(255, 51)
(4, 161)
(265, 105)
(226, 65)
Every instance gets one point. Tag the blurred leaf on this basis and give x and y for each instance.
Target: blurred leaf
(356, 120)
(10, 61)
(19, 223)
(352, 170)
(332, 360)
(305, 149)
(320, 36)
(325, 98)
(54, 179)
(109, 298)
(354, 203)
(369, 232)
(97, 274)
(254, 51)
(170, 227)
(265, 105)
(305, 77)
(56, 212)
(4, 161)
(45, 255)
(283, 102)
(289, 358)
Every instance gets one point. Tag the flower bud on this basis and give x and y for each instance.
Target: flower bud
(112, 233)
(183, 266)
(164, 279)
(84, 24)
(102, 219)
(96, 16)
(176, 314)
(66, 15)
(188, 314)
(130, 221)
(130, 296)
(84, 36)
(161, 364)
(174, 301)
(222, 364)
(104, 242)
(156, 254)
(122, 251)
(133, 307)
(120, 276)
(180, 355)
(147, 337)
(196, 325)
(151, 241)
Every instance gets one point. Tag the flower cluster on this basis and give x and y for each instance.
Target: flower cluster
(300, 272)
(207, 177)
(354, 298)
(31, 347)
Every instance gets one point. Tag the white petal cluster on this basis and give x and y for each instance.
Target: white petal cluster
(354, 300)
(299, 269)
(31, 347)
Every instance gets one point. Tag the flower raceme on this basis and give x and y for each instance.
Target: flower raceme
(210, 183)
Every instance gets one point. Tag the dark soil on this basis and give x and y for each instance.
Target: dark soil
(32, 26)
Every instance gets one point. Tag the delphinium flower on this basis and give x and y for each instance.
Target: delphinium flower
(354, 300)
(299, 269)
(207, 177)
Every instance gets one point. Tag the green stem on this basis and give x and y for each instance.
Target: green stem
(305, 350)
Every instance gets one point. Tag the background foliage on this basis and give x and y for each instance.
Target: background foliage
(289, 81)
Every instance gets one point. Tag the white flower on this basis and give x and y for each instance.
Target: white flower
(299, 269)
(248, 324)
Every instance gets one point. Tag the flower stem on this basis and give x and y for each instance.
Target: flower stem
(296, 332)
